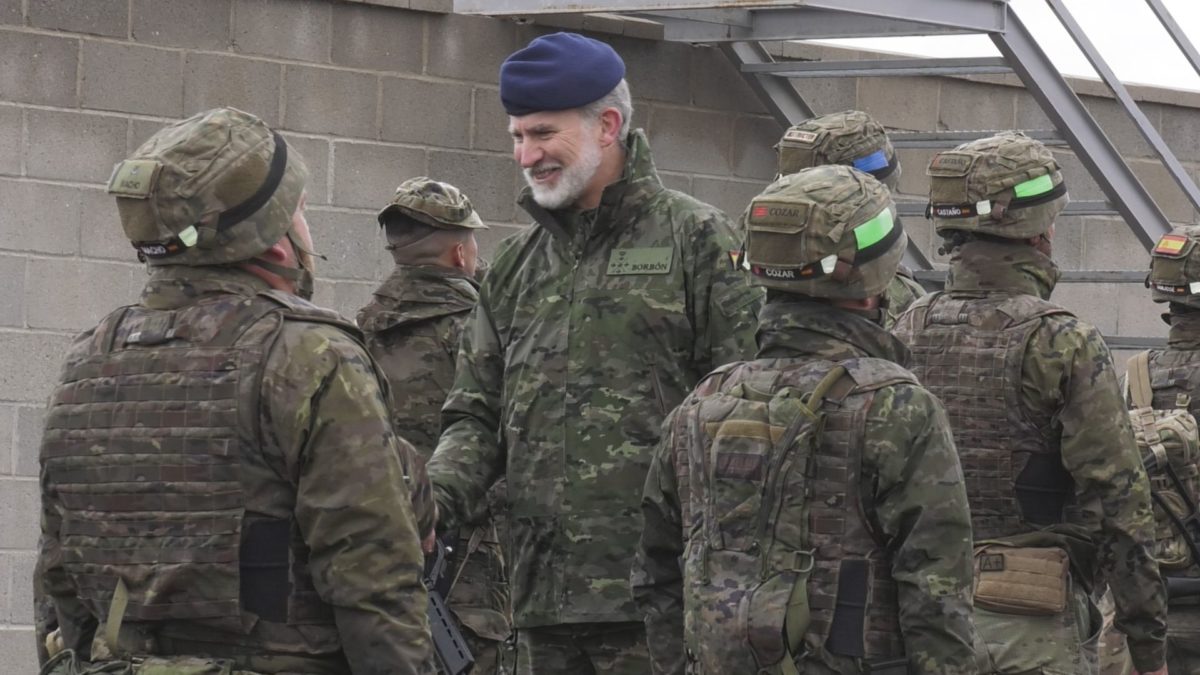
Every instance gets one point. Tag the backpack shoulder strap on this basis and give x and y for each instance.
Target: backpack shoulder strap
(1138, 380)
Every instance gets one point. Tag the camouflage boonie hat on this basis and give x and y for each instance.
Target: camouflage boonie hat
(433, 203)
(1007, 185)
(219, 187)
(1175, 267)
(826, 232)
(852, 138)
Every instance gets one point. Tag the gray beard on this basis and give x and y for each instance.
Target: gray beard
(572, 180)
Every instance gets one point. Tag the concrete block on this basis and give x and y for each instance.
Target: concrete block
(100, 233)
(132, 79)
(1137, 314)
(344, 297)
(11, 131)
(901, 102)
(290, 29)
(18, 649)
(730, 196)
(913, 163)
(74, 295)
(352, 244)
(73, 146)
(12, 302)
(183, 23)
(315, 152)
(21, 601)
(754, 139)
(1109, 244)
(30, 422)
(212, 80)
(1165, 191)
(677, 181)
(1094, 303)
(829, 95)
(10, 12)
(19, 513)
(491, 122)
(716, 83)
(1069, 244)
(1080, 184)
(691, 140)
(1119, 127)
(488, 181)
(336, 102)
(970, 105)
(31, 377)
(365, 175)
(378, 38)
(8, 450)
(469, 47)
(429, 113)
(1029, 113)
(656, 70)
(39, 217)
(95, 17)
(1181, 131)
(38, 68)
(921, 231)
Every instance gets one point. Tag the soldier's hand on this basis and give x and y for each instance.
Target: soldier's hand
(430, 540)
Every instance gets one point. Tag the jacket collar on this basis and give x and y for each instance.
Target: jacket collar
(987, 266)
(807, 328)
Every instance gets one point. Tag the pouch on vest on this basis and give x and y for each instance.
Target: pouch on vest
(1015, 580)
(1170, 439)
(748, 565)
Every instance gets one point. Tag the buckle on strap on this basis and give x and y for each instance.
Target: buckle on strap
(803, 561)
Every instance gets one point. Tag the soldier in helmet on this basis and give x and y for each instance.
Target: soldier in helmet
(1056, 487)
(852, 138)
(814, 493)
(412, 327)
(1174, 378)
(221, 486)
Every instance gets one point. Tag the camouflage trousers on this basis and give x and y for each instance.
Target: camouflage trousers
(1183, 640)
(66, 663)
(479, 599)
(583, 649)
(1114, 651)
(1064, 643)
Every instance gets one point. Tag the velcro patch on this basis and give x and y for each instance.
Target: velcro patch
(951, 164)
(1171, 246)
(624, 261)
(134, 178)
(800, 136)
(784, 273)
(992, 562)
(1169, 288)
(954, 210)
(779, 213)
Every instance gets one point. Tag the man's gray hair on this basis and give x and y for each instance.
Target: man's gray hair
(618, 98)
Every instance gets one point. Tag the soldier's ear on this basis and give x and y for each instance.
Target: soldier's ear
(458, 256)
(610, 126)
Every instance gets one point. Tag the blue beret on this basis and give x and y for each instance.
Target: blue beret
(558, 72)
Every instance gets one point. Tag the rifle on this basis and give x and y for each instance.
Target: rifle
(453, 655)
(1187, 524)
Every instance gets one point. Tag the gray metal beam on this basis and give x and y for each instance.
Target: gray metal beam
(1136, 343)
(801, 23)
(1091, 145)
(786, 104)
(1174, 167)
(881, 67)
(949, 139)
(1176, 33)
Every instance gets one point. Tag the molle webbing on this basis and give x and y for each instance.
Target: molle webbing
(970, 353)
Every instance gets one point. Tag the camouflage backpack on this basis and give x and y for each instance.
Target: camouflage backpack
(749, 558)
(1171, 438)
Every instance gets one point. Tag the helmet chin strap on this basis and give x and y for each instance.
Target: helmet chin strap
(302, 276)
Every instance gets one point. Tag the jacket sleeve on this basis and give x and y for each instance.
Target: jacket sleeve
(470, 455)
(656, 578)
(325, 409)
(73, 618)
(1099, 451)
(920, 507)
(723, 304)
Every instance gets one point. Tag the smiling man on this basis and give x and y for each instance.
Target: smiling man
(591, 326)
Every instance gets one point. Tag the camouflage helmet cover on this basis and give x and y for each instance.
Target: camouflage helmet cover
(218, 187)
(852, 138)
(825, 232)
(433, 203)
(1007, 185)
(1175, 267)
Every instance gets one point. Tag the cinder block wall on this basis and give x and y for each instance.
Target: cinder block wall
(372, 94)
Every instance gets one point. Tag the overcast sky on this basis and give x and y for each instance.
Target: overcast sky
(1126, 32)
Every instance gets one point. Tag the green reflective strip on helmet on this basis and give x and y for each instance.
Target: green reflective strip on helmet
(874, 230)
(1035, 187)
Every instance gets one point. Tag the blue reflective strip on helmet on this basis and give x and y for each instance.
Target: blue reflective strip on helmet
(873, 162)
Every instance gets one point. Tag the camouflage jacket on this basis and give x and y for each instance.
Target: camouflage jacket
(412, 328)
(328, 464)
(1069, 380)
(590, 328)
(901, 292)
(909, 485)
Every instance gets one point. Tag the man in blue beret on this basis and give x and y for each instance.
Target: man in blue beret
(591, 326)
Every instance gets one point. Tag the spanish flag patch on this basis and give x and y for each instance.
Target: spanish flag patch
(1171, 245)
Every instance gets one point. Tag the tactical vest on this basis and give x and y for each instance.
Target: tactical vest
(150, 440)
(779, 561)
(970, 353)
